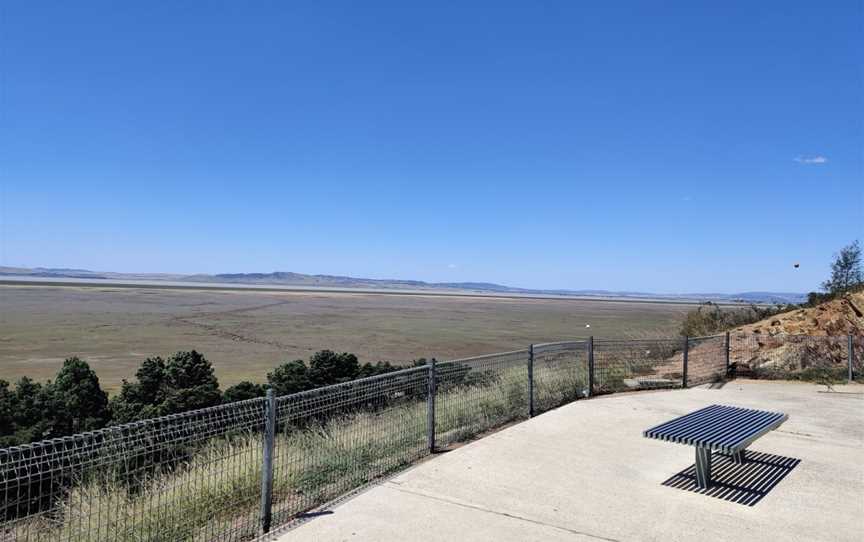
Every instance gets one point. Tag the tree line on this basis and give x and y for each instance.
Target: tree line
(74, 401)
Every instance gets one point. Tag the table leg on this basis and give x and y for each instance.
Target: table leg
(703, 467)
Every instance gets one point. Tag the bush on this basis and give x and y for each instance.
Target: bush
(325, 368)
(290, 377)
(83, 406)
(709, 318)
(74, 402)
(31, 404)
(185, 382)
(242, 391)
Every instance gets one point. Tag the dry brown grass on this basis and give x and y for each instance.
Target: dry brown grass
(219, 487)
(245, 333)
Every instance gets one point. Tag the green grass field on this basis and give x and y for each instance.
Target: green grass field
(246, 333)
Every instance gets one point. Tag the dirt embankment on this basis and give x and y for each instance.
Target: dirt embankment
(842, 316)
(803, 338)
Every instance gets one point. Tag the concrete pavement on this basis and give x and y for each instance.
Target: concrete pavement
(583, 472)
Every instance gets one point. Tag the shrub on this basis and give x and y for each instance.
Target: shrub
(709, 318)
(83, 405)
(242, 391)
(185, 382)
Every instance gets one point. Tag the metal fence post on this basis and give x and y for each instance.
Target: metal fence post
(267, 467)
(430, 408)
(590, 366)
(728, 348)
(850, 349)
(530, 380)
(686, 355)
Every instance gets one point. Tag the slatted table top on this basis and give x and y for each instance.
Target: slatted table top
(721, 428)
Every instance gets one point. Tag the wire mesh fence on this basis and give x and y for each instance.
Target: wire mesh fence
(560, 374)
(480, 393)
(856, 346)
(792, 356)
(706, 359)
(228, 472)
(335, 439)
(622, 365)
(193, 476)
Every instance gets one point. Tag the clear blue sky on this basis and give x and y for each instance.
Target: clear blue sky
(675, 146)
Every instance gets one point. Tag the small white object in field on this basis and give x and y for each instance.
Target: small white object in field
(587, 325)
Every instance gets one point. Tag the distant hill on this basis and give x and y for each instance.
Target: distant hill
(287, 278)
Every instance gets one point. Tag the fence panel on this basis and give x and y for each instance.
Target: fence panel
(622, 365)
(336, 439)
(857, 357)
(790, 356)
(706, 359)
(480, 393)
(192, 476)
(197, 476)
(560, 374)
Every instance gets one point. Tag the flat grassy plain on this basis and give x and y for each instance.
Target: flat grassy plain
(246, 333)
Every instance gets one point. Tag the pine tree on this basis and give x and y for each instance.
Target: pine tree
(846, 271)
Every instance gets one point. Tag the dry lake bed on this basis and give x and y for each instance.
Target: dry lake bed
(245, 333)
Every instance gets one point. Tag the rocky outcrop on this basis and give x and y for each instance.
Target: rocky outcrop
(802, 339)
(842, 316)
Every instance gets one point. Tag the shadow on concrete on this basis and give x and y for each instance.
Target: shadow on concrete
(310, 515)
(745, 483)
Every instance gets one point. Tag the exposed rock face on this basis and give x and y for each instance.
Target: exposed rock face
(844, 316)
(802, 339)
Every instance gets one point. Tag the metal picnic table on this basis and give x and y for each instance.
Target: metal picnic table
(725, 429)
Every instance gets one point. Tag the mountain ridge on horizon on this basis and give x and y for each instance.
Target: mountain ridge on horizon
(289, 278)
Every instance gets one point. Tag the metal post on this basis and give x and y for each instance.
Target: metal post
(531, 381)
(703, 467)
(590, 366)
(267, 467)
(686, 354)
(850, 350)
(430, 408)
(728, 348)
